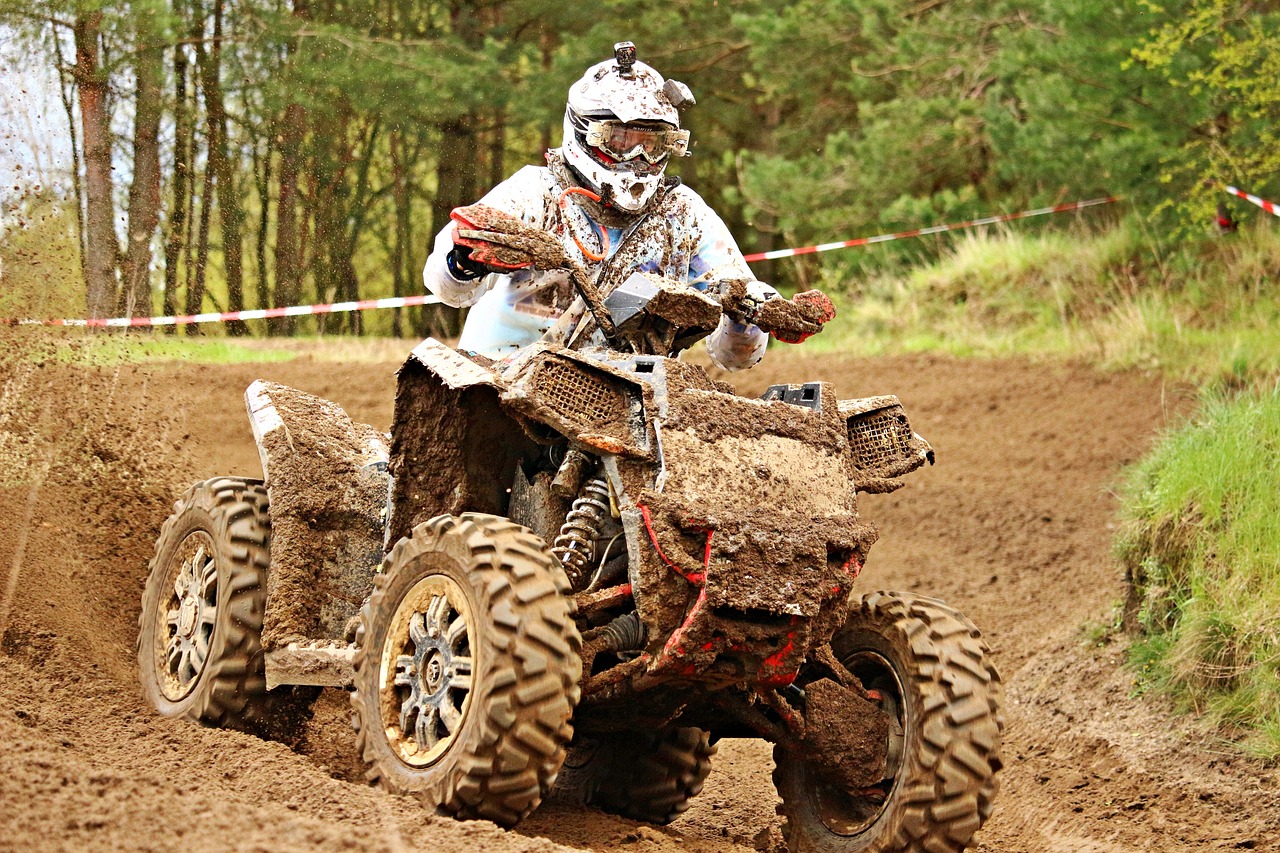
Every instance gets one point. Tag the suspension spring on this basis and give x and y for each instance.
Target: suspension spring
(576, 544)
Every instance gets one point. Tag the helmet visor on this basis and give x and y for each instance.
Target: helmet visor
(625, 142)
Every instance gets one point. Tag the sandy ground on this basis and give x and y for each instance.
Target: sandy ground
(1013, 526)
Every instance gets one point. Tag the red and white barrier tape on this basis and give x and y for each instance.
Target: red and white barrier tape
(255, 314)
(933, 229)
(431, 299)
(1269, 207)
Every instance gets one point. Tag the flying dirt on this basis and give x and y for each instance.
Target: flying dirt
(1011, 525)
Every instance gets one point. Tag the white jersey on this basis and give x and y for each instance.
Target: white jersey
(681, 238)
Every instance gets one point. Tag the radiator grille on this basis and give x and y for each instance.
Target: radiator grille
(580, 397)
(881, 440)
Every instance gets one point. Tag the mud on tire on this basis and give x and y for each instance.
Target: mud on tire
(466, 669)
(200, 631)
(648, 776)
(948, 703)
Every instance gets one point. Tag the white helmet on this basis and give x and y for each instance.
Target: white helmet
(621, 124)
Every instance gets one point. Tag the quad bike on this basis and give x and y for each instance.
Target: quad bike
(581, 567)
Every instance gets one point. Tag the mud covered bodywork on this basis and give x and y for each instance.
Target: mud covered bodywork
(739, 515)
(747, 542)
(454, 447)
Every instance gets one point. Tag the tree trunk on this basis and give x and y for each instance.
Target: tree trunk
(195, 288)
(181, 182)
(100, 236)
(401, 277)
(68, 94)
(230, 217)
(457, 176)
(498, 147)
(144, 194)
(262, 179)
(288, 252)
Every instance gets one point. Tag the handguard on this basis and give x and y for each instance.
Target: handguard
(502, 241)
(789, 320)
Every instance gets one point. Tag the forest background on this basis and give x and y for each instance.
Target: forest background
(231, 154)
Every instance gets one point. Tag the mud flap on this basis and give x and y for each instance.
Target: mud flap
(845, 737)
(328, 483)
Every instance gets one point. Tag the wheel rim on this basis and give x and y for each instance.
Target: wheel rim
(849, 814)
(425, 677)
(186, 619)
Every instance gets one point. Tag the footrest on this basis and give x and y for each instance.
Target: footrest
(320, 663)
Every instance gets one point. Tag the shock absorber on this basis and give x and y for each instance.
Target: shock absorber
(576, 544)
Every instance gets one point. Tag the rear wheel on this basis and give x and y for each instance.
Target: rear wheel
(200, 632)
(927, 666)
(467, 666)
(648, 776)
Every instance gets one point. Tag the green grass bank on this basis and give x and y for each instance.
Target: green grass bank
(1200, 537)
(1201, 546)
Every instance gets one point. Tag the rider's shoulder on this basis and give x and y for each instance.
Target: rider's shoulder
(532, 176)
(683, 194)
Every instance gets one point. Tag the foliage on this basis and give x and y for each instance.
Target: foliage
(1203, 310)
(351, 128)
(1201, 543)
(1226, 55)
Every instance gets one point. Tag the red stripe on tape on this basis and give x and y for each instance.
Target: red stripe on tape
(933, 229)
(1260, 202)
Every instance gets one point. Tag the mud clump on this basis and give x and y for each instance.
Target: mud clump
(789, 320)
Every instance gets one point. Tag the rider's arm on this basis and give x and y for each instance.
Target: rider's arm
(521, 195)
(733, 346)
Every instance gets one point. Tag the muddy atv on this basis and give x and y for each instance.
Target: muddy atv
(582, 567)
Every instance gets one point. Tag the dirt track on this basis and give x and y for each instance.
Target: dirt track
(1012, 526)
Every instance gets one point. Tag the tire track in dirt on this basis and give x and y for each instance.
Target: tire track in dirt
(20, 546)
(1011, 526)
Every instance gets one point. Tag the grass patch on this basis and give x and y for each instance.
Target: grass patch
(78, 347)
(1203, 311)
(1201, 545)
(99, 349)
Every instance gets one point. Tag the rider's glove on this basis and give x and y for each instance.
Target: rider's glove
(742, 298)
(462, 267)
(788, 320)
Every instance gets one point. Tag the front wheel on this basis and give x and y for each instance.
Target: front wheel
(927, 666)
(466, 669)
(200, 631)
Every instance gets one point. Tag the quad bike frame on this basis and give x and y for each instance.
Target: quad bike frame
(615, 559)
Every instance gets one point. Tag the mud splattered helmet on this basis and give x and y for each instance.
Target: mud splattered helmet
(621, 126)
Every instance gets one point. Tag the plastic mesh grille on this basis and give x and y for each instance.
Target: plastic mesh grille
(880, 439)
(578, 396)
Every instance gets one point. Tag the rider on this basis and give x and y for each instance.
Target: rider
(603, 193)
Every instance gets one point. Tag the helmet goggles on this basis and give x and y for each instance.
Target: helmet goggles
(625, 142)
